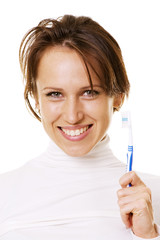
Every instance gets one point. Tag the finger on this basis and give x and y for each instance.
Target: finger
(133, 190)
(139, 209)
(133, 198)
(130, 178)
(136, 209)
(129, 191)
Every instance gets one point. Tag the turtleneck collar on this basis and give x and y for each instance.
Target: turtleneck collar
(100, 156)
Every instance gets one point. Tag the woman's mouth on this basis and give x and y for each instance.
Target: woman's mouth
(75, 133)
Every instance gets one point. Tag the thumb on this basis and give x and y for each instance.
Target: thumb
(127, 219)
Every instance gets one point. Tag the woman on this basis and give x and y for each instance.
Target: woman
(74, 71)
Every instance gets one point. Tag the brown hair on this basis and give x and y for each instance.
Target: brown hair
(85, 36)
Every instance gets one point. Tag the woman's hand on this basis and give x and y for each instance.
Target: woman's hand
(135, 204)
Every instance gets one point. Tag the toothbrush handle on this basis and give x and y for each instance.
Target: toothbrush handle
(129, 159)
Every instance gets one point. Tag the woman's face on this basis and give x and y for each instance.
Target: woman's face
(73, 118)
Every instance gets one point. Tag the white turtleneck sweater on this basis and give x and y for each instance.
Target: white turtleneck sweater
(55, 196)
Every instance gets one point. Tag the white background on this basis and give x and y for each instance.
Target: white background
(136, 27)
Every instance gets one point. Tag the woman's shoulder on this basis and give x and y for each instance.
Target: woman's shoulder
(10, 180)
(150, 179)
(8, 184)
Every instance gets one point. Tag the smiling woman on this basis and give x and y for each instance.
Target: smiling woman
(75, 116)
(74, 71)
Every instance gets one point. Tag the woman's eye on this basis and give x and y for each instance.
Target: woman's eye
(91, 93)
(54, 94)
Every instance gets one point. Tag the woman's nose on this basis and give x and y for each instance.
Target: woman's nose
(72, 111)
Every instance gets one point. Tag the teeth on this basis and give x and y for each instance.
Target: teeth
(72, 133)
(75, 132)
(81, 130)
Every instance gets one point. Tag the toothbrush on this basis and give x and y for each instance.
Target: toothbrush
(126, 123)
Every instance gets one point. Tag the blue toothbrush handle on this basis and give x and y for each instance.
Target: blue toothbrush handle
(129, 160)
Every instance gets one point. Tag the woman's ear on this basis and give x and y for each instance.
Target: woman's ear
(118, 101)
(37, 106)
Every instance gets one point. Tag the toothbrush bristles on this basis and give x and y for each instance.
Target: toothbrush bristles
(126, 120)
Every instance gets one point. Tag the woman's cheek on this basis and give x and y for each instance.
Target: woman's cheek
(50, 111)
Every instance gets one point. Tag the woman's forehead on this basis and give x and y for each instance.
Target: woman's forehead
(62, 62)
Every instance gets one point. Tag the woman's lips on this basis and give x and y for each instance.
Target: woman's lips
(75, 133)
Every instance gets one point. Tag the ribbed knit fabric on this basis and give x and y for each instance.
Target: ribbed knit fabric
(55, 196)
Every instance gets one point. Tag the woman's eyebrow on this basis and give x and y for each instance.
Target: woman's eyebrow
(61, 89)
(94, 85)
(52, 88)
